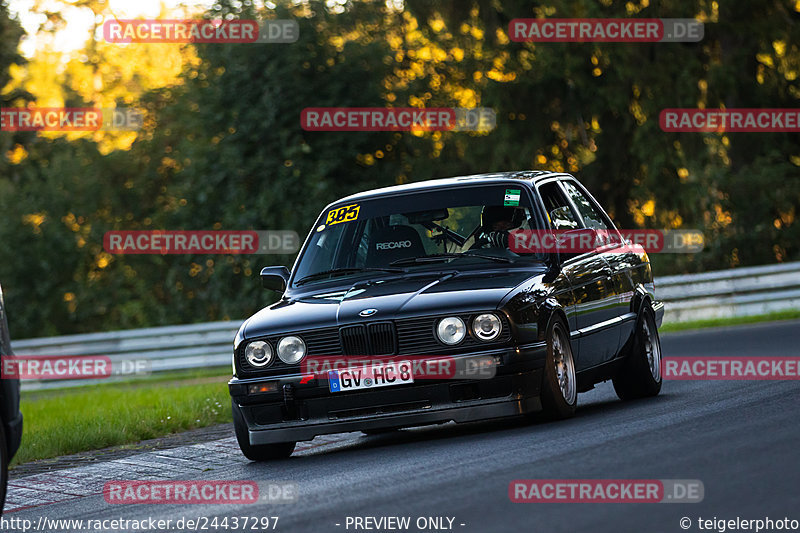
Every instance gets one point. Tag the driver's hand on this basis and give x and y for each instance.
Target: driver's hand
(496, 239)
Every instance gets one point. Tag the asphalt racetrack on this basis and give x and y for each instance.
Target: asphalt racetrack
(740, 438)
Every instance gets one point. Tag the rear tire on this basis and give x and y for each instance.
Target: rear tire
(560, 388)
(640, 375)
(258, 452)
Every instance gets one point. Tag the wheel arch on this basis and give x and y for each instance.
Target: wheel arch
(549, 310)
(640, 298)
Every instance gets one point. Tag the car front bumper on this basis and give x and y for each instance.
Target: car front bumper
(299, 412)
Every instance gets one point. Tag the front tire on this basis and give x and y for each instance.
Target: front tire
(560, 388)
(258, 452)
(640, 375)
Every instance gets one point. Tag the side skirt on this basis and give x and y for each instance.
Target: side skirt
(603, 372)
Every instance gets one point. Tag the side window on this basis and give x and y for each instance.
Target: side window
(558, 208)
(592, 218)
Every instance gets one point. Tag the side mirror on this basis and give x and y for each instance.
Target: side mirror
(275, 278)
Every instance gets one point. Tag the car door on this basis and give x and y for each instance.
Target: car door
(617, 254)
(593, 336)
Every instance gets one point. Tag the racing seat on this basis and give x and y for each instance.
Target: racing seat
(391, 243)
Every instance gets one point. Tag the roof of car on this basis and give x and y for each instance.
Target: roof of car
(493, 177)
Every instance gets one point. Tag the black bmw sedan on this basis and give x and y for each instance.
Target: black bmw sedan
(390, 280)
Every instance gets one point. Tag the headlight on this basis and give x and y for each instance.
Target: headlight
(258, 353)
(451, 330)
(291, 350)
(487, 326)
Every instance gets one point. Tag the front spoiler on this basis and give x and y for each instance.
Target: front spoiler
(431, 403)
(472, 413)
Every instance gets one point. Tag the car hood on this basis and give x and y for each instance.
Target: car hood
(390, 298)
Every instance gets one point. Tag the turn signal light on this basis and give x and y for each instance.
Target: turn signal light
(262, 387)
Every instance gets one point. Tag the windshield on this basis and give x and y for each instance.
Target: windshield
(452, 227)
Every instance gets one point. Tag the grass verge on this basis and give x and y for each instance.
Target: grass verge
(64, 421)
(731, 321)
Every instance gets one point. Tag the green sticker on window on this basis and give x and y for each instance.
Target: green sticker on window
(511, 197)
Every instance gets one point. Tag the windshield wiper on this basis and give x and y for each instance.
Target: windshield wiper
(443, 257)
(351, 270)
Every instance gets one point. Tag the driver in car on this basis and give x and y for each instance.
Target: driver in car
(496, 223)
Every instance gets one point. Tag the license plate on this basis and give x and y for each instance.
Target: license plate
(370, 377)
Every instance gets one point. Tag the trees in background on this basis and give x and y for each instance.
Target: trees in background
(222, 146)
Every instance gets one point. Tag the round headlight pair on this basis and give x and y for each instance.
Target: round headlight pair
(290, 350)
(452, 330)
